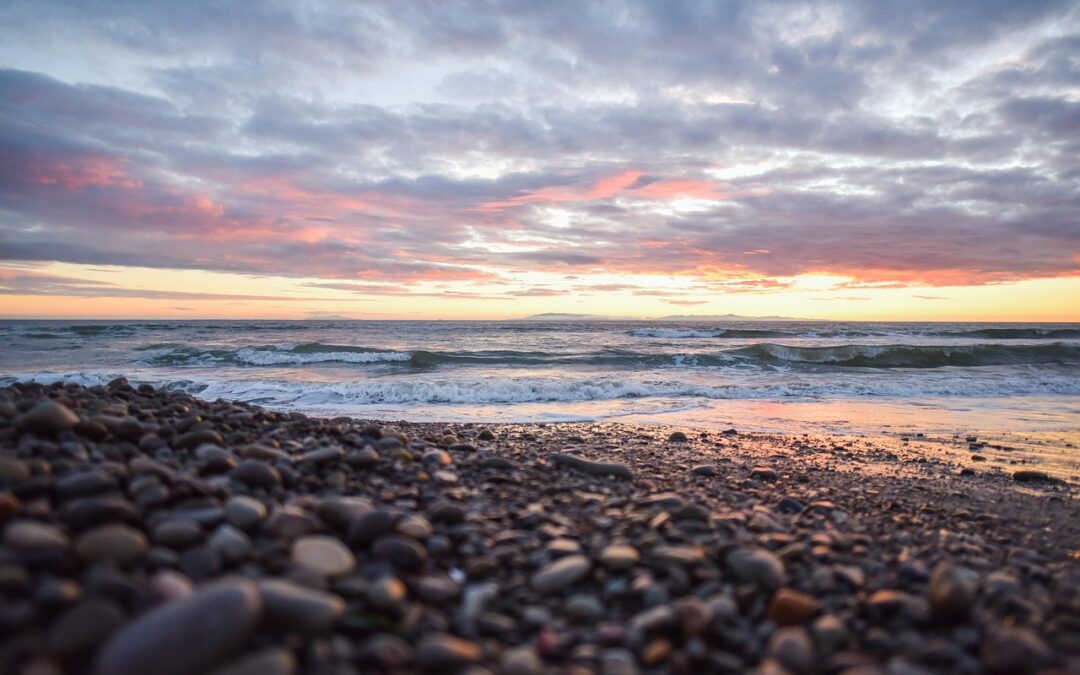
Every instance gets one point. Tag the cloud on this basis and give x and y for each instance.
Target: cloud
(378, 146)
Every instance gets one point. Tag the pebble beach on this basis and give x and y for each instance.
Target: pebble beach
(147, 531)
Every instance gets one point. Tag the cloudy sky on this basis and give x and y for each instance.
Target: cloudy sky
(449, 159)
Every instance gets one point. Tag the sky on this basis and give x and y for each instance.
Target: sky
(876, 160)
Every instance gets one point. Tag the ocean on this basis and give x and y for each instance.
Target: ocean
(803, 377)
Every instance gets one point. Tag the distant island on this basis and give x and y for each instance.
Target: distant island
(560, 316)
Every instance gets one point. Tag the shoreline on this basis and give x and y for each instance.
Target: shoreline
(563, 547)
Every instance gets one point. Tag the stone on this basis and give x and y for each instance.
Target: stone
(952, 591)
(367, 527)
(119, 543)
(442, 653)
(763, 473)
(323, 555)
(521, 660)
(679, 555)
(401, 552)
(1012, 649)
(339, 512)
(177, 533)
(230, 543)
(48, 418)
(197, 437)
(560, 574)
(185, 637)
(592, 468)
(83, 627)
(31, 536)
(677, 437)
(387, 593)
(708, 470)
(256, 474)
(619, 557)
(269, 661)
(756, 565)
(289, 608)
(790, 607)
(244, 513)
(443, 511)
(322, 456)
(364, 458)
(792, 648)
(1030, 476)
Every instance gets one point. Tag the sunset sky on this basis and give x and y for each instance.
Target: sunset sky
(428, 159)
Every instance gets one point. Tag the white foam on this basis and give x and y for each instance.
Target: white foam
(672, 333)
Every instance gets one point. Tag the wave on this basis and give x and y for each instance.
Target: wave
(1016, 333)
(506, 390)
(915, 356)
(268, 355)
(713, 333)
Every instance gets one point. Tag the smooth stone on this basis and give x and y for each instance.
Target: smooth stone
(323, 555)
(256, 474)
(763, 473)
(230, 543)
(791, 646)
(414, 527)
(13, 471)
(401, 552)
(952, 591)
(587, 608)
(789, 505)
(704, 470)
(619, 557)
(521, 660)
(365, 458)
(443, 511)
(677, 437)
(197, 437)
(790, 607)
(322, 456)
(498, 463)
(177, 533)
(84, 483)
(679, 555)
(592, 468)
(83, 627)
(270, 661)
(369, 526)
(118, 543)
(1013, 649)
(30, 535)
(289, 608)
(48, 418)
(441, 653)
(339, 512)
(244, 513)
(387, 593)
(437, 589)
(185, 637)
(756, 565)
(560, 574)
(485, 435)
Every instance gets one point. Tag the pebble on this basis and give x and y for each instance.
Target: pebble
(245, 513)
(705, 470)
(677, 437)
(185, 637)
(367, 527)
(1030, 476)
(592, 468)
(269, 661)
(756, 565)
(792, 648)
(48, 418)
(323, 555)
(619, 557)
(119, 543)
(521, 660)
(83, 627)
(442, 653)
(560, 574)
(763, 473)
(290, 608)
(256, 474)
(387, 593)
(952, 591)
(789, 607)
(401, 552)
(1012, 649)
(31, 536)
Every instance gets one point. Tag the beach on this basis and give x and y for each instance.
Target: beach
(148, 530)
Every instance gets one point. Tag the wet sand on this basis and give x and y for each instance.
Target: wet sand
(133, 517)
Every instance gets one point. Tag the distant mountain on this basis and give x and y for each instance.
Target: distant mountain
(725, 317)
(560, 316)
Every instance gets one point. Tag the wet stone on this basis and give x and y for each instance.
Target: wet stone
(952, 591)
(708, 470)
(118, 543)
(441, 653)
(289, 608)
(84, 627)
(244, 513)
(756, 565)
(256, 474)
(368, 527)
(561, 574)
(789, 607)
(401, 552)
(323, 555)
(184, 637)
(48, 418)
(619, 557)
(592, 468)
